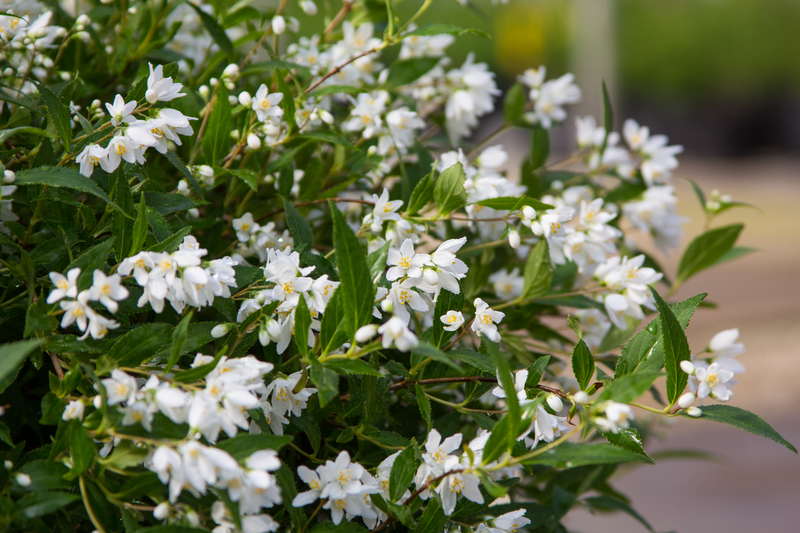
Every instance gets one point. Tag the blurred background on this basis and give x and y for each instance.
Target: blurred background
(722, 78)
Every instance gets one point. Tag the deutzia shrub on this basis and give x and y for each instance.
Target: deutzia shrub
(255, 283)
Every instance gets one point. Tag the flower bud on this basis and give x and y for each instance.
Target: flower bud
(326, 117)
(308, 7)
(245, 99)
(204, 91)
(183, 187)
(687, 367)
(274, 328)
(8, 465)
(365, 333)
(557, 185)
(60, 32)
(161, 512)
(220, 330)
(581, 398)
(269, 179)
(8, 72)
(23, 480)
(132, 10)
(430, 277)
(193, 213)
(213, 82)
(278, 25)
(687, 400)
(513, 238)
(253, 141)
(231, 71)
(372, 150)
(263, 335)
(9, 177)
(232, 100)
(555, 402)
(83, 20)
(109, 49)
(529, 212)
(695, 412)
(97, 401)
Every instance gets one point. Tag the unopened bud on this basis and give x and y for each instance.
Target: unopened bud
(132, 10)
(529, 212)
(695, 412)
(557, 185)
(232, 100)
(581, 398)
(9, 177)
(687, 400)
(161, 512)
(430, 276)
(278, 25)
(193, 213)
(308, 7)
(83, 20)
(386, 305)
(23, 480)
(8, 465)
(326, 117)
(220, 331)
(555, 402)
(204, 91)
(231, 71)
(97, 401)
(687, 367)
(245, 99)
(372, 150)
(365, 333)
(213, 82)
(253, 141)
(513, 238)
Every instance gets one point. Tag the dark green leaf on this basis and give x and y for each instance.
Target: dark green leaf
(123, 220)
(406, 71)
(536, 371)
(81, 448)
(676, 349)
(135, 347)
(335, 89)
(402, 473)
(540, 147)
(217, 137)
(448, 191)
(432, 519)
(243, 446)
(166, 204)
(327, 382)
(139, 228)
(424, 405)
(609, 503)
(298, 225)
(181, 167)
(328, 137)
(707, 249)
(302, 324)
(506, 379)
(352, 366)
(63, 178)
(58, 113)
(583, 365)
(630, 387)
(422, 194)
(37, 504)
(179, 336)
(514, 103)
(742, 419)
(570, 455)
(734, 253)
(538, 271)
(478, 360)
(12, 355)
(426, 350)
(628, 439)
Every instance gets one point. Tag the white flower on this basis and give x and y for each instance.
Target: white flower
(278, 24)
(310, 478)
(161, 89)
(266, 105)
(120, 111)
(617, 417)
(437, 450)
(507, 285)
(546, 427)
(365, 333)
(120, 387)
(452, 320)
(396, 332)
(245, 227)
(404, 262)
(76, 311)
(98, 325)
(90, 157)
(308, 7)
(107, 290)
(384, 210)
(724, 344)
(73, 411)
(711, 380)
(168, 465)
(485, 320)
(520, 378)
(284, 399)
(400, 295)
(65, 286)
(457, 483)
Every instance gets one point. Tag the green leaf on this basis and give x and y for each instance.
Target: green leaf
(742, 419)
(676, 349)
(58, 113)
(302, 322)
(514, 103)
(216, 32)
(540, 147)
(448, 192)
(402, 473)
(536, 371)
(298, 225)
(405, 71)
(181, 167)
(45, 475)
(288, 100)
(630, 387)
(356, 285)
(13, 354)
(81, 448)
(62, 177)
(475, 359)
(608, 117)
(538, 271)
(38, 504)
(243, 446)
(377, 261)
(327, 382)
(500, 440)
(512, 203)
(570, 455)
(179, 336)
(628, 439)
(437, 28)
(426, 350)
(583, 365)
(335, 89)
(352, 366)
(125, 455)
(609, 503)
(169, 203)
(122, 227)
(217, 137)
(734, 253)
(506, 379)
(424, 405)
(698, 192)
(139, 228)
(171, 243)
(576, 326)
(344, 527)
(707, 249)
(422, 194)
(432, 519)
(135, 347)
(328, 137)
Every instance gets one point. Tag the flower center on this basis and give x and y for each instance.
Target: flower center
(404, 262)
(265, 103)
(713, 379)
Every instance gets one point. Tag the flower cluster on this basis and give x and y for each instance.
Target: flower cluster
(107, 290)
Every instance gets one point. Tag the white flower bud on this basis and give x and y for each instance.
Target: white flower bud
(213, 82)
(245, 99)
(326, 117)
(513, 238)
(687, 367)
(161, 512)
(253, 141)
(263, 336)
(274, 329)
(581, 398)
(231, 71)
(109, 49)
(8, 465)
(9, 177)
(83, 36)
(60, 32)
(278, 25)
(193, 213)
(269, 179)
(83, 20)
(557, 185)
(430, 277)
(235, 134)
(365, 333)
(97, 401)
(204, 91)
(8, 72)
(386, 305)
(65, 76)
(192, 517)
(220, 330)
(73, 411)
(695, 412)
(232, 100)
(308, 7)
(372, 150)
(529, 212)
(555, 402)
(132, 10)
(23, 480)
(183, 187)
(687, 400)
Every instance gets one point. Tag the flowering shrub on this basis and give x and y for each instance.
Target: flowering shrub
(279, 295)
